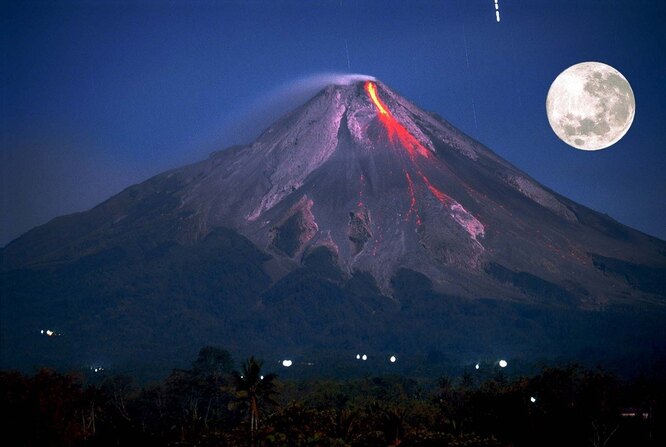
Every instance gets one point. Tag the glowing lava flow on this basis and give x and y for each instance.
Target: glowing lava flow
(397, 131)
(409, 142)
(439, 195)
(372, 91)
(412, 202)
(394, 128)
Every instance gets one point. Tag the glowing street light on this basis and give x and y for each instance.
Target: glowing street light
(286, 363)
(477, 366)
(503, 363)
(392, 359)
(532, 399)
(358, 356)
(364, 358)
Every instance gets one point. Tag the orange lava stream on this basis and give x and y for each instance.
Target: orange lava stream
(397, 131)
(372, 91)
(439, 195)
(394, 128)
(412, 202)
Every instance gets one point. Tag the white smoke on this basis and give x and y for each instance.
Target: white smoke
(273, 104)
(282, 99)
(321, 80)
(250, 120)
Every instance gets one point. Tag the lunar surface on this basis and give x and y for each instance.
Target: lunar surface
(590, 106)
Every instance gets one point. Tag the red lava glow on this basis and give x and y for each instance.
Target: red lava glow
(412, 202)
(439, 195)
(394, 128)
(411, 144)
(372, 91)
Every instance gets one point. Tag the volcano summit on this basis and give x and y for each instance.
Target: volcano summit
(356, 221)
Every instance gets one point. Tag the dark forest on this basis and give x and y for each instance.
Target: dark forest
(215, 402)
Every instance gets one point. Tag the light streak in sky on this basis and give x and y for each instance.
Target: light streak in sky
(476, 124)
(347, 50)
(497, 14)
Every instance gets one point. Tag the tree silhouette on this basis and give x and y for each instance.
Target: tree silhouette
(213, 361)
(561, 406)
(254, 389)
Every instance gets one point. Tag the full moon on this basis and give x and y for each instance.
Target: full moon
(590, 106)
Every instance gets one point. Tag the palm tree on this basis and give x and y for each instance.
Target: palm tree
(253, 388)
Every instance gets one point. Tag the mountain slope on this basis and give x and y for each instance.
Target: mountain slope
(352, 191)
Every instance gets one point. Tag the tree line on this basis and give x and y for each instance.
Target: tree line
(214, 404)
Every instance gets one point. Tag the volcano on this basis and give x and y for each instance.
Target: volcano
(356, 221)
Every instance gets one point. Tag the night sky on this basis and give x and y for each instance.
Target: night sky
(100, 95)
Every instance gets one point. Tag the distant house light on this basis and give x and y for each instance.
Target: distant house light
(392, 359)
(286, 363)
(365, 357)
(477, 366)
(634, 413)
(532, 399)
(503, 363)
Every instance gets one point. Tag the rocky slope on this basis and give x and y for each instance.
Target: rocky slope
(352, 190)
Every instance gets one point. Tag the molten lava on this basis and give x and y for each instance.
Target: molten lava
(394, 128)
(372, 91)
(412, 202)
(397, 131)
(409, 142)
(439, 195)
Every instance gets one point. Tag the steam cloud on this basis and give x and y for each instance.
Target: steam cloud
(268, 107)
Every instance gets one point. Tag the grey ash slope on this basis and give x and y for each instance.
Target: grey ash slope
(370, 195)
(328, 174)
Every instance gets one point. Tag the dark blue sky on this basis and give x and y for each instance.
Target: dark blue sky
(99, 95)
